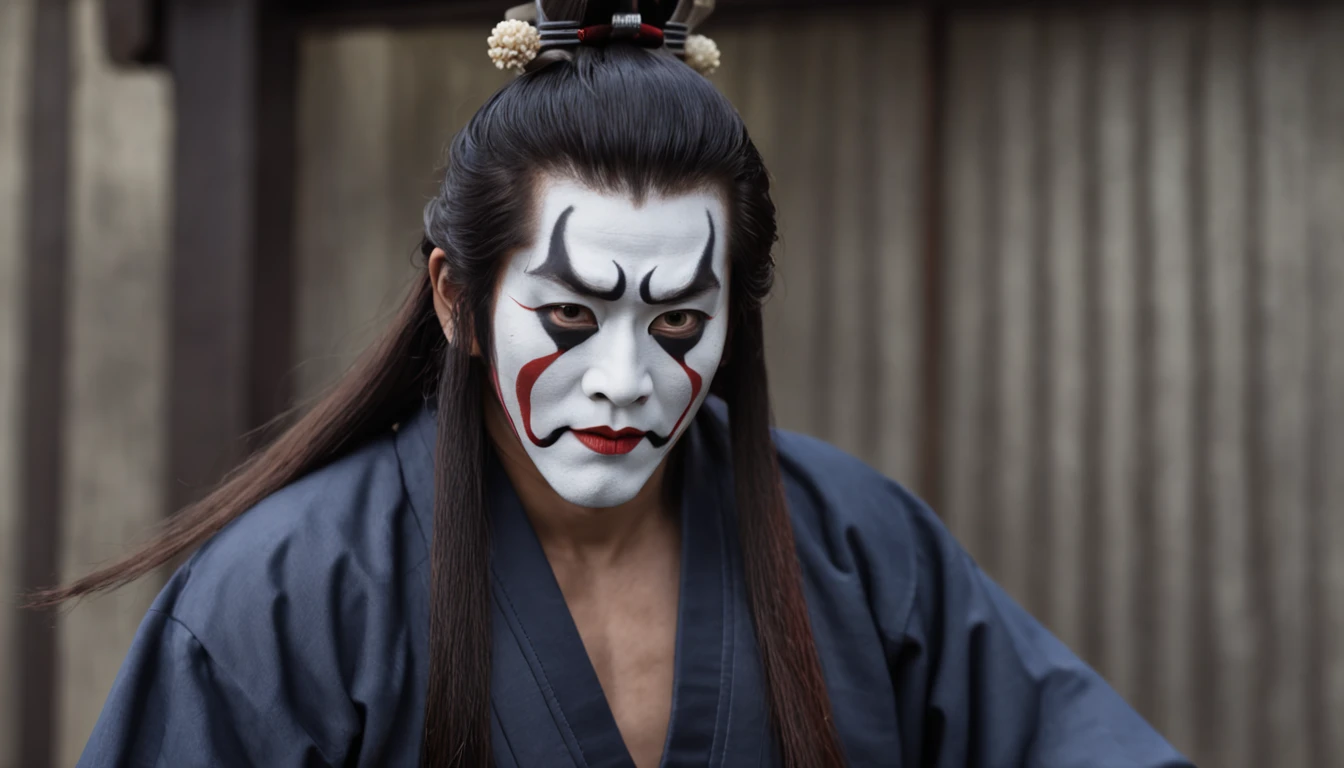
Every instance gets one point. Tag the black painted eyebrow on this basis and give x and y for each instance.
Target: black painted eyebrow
(559, 268)
(702, 282)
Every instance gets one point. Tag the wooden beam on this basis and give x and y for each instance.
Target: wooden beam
(43, 382)
(408, 12)
(934, 258)
(133, 31)
(420, 12)
(233, 64)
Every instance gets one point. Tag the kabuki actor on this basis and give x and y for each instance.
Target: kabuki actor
(544, 521)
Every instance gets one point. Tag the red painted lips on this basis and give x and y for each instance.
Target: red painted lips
(608, 441)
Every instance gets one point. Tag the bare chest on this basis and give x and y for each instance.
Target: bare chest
(628, 623)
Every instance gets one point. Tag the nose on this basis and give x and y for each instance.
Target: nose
(618, 375)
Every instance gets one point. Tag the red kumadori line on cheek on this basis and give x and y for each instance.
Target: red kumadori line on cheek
(695, 392)
(499, 393)
(527, 378)
(521, 304)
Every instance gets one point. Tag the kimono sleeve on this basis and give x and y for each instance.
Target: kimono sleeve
(986, 685)
(173, 705)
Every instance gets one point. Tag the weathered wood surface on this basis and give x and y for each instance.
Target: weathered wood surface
(844, 324)
(1142, 296)
(16, 61)
(42, 369)
(116, 397)
(1164, 395)
(376, 113)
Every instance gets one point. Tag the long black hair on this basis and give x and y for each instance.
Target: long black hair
(619, 118)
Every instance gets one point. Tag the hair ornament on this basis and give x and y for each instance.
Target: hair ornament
(702, 54)
(513, 44)
(532, 28)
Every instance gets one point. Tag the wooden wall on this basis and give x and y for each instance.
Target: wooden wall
(1146, 244)
(376, 110)
(111, 431)
(1137, 264)
(16, 19)
(845, 149)
(115, 395)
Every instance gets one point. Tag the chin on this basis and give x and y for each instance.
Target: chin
(598, 487)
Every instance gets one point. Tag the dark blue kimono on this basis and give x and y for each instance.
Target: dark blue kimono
(298, 635)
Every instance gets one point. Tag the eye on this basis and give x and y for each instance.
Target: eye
(678, 324)
(571, 316)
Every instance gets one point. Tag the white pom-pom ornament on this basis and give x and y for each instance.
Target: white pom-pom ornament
(702, 54)
(514, 44)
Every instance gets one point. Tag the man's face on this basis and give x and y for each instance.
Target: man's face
(607, 331)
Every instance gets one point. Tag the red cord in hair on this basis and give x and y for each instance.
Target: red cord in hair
(648, 35)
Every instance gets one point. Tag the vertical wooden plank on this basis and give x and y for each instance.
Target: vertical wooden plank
(130, 31)
(865, 249)
(1173, 404)
(844, 259)
(343, 179)
(822, 152)
(468, 84)
(1258, 561)
(16, 62)
(1327, 445)
(965, 163)
(1040, 395)
(232, 233)
(798, 60)
(1282, 299)
(43, 368)
(1064, 318)
(114, 444)
(270, 306)
(439, 80)
(1202, 676)
(1092, 598)
(752, 86)
(424, 72)
(936, 35)
(1014, 453)
(1145, 594)
(848, 142)
(734, 41)
(750, 83)
(378, 109)
(1225, 148)
(899, 158)
(1117, 140)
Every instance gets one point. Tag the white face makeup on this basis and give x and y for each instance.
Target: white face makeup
(607, 332)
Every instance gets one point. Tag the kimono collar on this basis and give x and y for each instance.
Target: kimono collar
(716, 679)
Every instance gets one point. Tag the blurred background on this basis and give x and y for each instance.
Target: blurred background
(1072, 271)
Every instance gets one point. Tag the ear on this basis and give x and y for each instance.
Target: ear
(445, 296)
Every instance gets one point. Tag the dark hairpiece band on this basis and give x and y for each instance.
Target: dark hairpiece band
(624, 26)
(526, 32)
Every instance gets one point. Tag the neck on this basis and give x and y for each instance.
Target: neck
(572, 532)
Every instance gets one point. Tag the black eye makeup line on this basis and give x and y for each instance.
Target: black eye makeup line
(702, 281)
(559, 268)
(564, 337)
